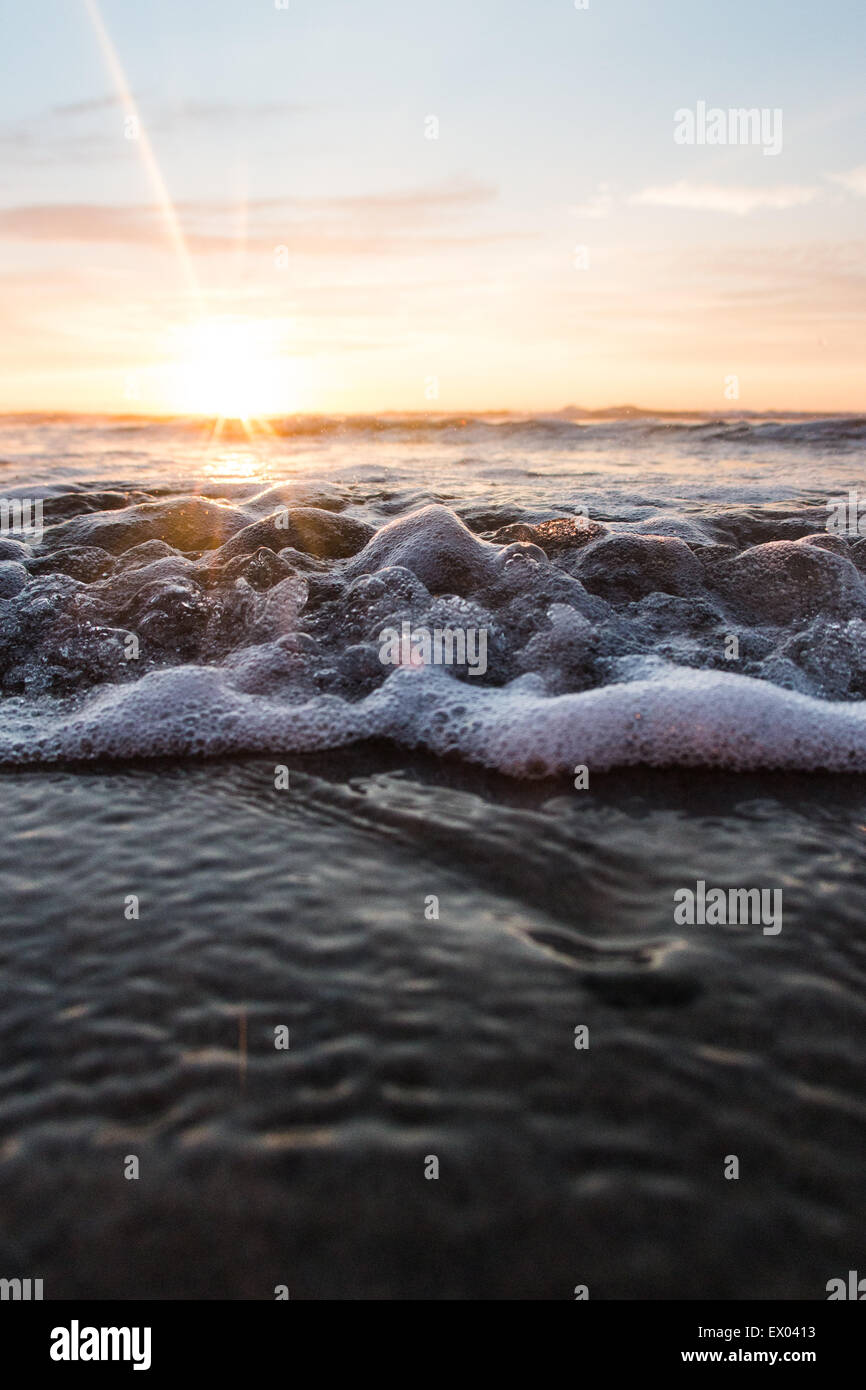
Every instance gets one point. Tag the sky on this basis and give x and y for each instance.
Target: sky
(241, 206)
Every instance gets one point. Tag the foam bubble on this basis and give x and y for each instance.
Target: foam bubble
(436, 546)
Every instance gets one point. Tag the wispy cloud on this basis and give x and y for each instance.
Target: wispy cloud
(598, 205)
(408, 219)
(738, 200)
(89, 107)
(854, 180)
(172, 113)
(215, 111)
(78, 222)
(83, 131)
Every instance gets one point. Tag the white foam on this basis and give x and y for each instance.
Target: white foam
(685, 717)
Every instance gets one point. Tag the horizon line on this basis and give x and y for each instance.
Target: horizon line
(558, 412)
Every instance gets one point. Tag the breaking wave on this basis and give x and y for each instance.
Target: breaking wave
(144, 625)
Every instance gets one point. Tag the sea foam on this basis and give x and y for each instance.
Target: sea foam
(198, 627)
(681, 717)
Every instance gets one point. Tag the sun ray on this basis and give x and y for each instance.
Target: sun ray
(227, 368)
(149, 159)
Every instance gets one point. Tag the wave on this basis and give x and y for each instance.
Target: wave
(682, 718)
(571, 425)
(190, 626)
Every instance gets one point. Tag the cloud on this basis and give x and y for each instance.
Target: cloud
(72, 132)
(182, 111)
(78, 222)
(738, 200)
(597, 205)
(401, 220)
(27, 148)
(454, 193)
(87, 108)
(854, 180)
(405, 203)
(228, 111)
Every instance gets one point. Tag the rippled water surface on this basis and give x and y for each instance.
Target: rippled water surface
(411, 1037)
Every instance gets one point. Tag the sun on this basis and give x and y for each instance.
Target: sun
(232, 368)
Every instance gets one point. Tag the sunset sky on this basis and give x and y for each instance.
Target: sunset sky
(427, 273)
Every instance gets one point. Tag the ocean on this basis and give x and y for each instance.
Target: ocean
(357, 966)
